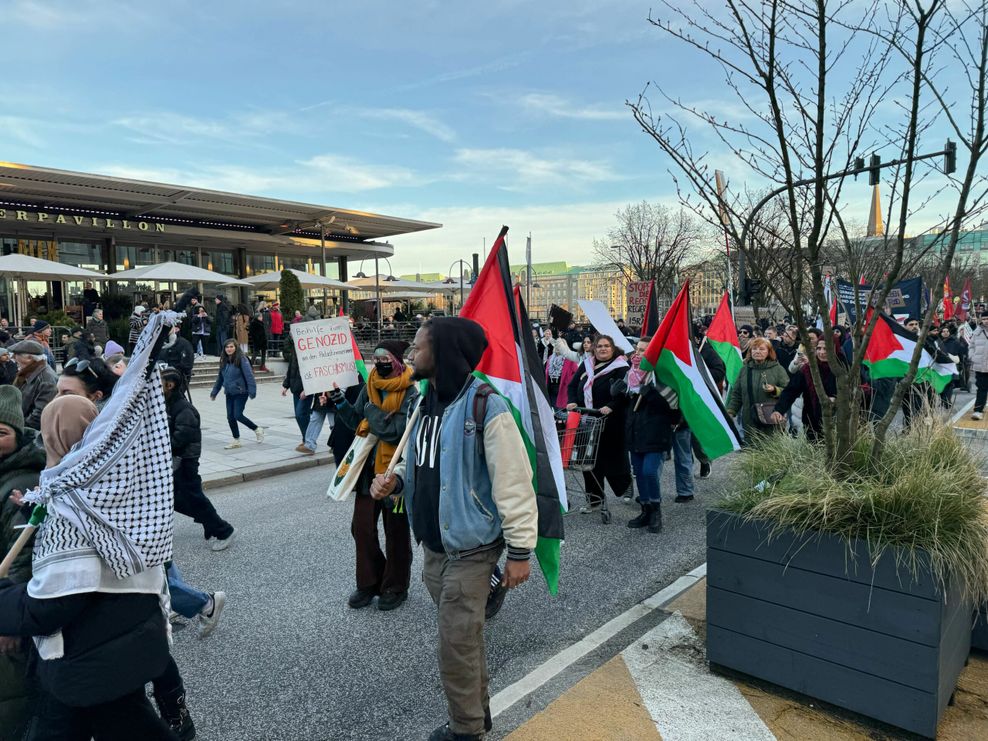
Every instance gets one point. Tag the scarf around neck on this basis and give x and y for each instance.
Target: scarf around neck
(395, 389)
(595, 373)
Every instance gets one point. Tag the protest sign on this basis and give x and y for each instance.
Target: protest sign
(325, 354)
(905, 298)
(638, 295)
(603, 323)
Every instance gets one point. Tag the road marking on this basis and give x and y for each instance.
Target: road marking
(964, 410)
(686, 701)
(570, 655)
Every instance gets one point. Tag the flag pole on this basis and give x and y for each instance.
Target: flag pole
(724, 220)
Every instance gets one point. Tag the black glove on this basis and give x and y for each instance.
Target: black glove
(336, 396)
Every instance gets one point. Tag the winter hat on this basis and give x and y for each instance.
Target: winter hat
(27, 347)
(139, 309)
(10, 408)
(39, 326)
(395, 347)
(112, 348)
(984, 314)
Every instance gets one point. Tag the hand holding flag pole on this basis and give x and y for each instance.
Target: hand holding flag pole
(37, 516)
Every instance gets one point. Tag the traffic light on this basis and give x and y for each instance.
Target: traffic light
(874, 169)
(949, 157)
(859, 166)
(751, 288)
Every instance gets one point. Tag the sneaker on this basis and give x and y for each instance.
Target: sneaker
(977, 415)
(221, 544)
(361, 598)
(680, 498)
(305, 451)
(259, 433)
(627, 499)
(589, 508)
(704, 469)
(300, 448)
(391, 600)
(209, 621)
(234, 444)
(443, 733)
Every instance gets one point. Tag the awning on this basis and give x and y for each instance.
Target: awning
(176, 272)
(25, 267)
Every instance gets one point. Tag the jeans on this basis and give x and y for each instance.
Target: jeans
(222, 334)
(187, 601)
(235, 405)
(648, 469)
(316, 420)
(199, 340)
(303, 408)
(682, 452)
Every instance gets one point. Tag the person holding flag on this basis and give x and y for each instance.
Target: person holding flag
(466, 478)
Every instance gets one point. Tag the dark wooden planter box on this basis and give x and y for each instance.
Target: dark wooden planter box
(979, 637)
(800, 612)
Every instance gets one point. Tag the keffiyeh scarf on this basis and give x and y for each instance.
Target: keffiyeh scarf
(110, 499)
(595, 373)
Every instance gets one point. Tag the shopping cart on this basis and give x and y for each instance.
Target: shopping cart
(580, 432)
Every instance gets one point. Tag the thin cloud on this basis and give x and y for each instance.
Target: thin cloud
(559, 107)
(21, 129)
(497, 65)
(416, 119)
(517, 169)
(174, 128)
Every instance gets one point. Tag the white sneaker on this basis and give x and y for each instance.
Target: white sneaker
(627, 499)
(588, 508)
(977, 415)
(259, 433)
(216, 544)
(234, 444)
(208, 623)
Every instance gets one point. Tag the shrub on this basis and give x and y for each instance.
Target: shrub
(116, 306)
(59, 319)
(291, 295)
(925, 501)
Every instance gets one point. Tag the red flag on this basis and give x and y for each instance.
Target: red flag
(964, 307)
(948, 300)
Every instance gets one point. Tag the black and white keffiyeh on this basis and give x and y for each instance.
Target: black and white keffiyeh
(110, 499)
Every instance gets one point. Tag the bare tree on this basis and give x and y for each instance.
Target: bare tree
(809, 77)
(650, 242)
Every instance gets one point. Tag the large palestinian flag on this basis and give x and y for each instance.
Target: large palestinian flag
(723, 338)
(676, 363)
(511, 365)
(890, 351)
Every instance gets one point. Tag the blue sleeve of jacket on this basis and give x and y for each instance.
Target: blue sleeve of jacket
(249, 377)
(219, 381)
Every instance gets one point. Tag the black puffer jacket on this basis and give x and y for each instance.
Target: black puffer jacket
(114, 643)
(184, 426)
(650, 423)
(178, 355)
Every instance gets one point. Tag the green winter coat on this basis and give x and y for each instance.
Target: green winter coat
(766, 372)
(18, 471)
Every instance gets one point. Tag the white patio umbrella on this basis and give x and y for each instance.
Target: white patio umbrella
(176, 272)
(23, 268)
(391, 286)
(271, 281)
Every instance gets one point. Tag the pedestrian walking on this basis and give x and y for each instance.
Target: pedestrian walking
(202, 325)
(478, 485)
(978, 352)
(301, 402)
(237, 381)
(801, 385)
(223, 318)
(756, 390)
(36, 380)
(591, 389)
(185, 429)
(241, 325)
(138, 320)
(194, 604)
(176, 352)
(382, 409)
(258, 341)
(277, 325)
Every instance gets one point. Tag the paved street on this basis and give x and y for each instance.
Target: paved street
(291, 661)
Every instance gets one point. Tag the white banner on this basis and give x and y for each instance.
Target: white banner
(602, 321)
(325, 354)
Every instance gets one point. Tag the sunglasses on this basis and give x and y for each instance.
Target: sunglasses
(744, 332)
(81, 366)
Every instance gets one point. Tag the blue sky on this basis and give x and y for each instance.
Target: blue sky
(469, 114)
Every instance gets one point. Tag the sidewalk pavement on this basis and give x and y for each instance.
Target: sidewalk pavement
(277, 454)
(661, 687)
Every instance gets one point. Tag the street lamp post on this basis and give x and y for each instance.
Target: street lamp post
(461, 263)
(377, 287)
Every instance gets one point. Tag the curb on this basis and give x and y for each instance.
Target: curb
(539, 676)
(254, 473)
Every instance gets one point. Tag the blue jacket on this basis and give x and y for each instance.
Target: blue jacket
(482, 498)
(235, 380)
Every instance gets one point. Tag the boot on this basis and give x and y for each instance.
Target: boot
(175, 713)
(642, 519)
(655, 517)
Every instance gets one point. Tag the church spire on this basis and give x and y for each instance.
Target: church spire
(876, 228)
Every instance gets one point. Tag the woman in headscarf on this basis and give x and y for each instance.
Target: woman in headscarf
(100, 638)
(381, 409)
(591, 389)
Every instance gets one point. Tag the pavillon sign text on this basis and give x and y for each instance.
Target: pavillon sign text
(97, 222)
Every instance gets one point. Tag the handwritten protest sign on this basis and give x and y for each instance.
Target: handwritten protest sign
(638, 293)
(325, 354)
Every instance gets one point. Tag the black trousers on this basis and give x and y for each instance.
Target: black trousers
(192, 502)
(981, 381)
(124, 719)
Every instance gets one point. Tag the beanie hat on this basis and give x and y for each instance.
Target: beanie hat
(984, 314)
(112, 348)
(39, 326)
(10, 408)
(139, 309)
(395, 347)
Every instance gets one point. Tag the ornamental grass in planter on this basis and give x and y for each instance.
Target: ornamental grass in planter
(855, 588)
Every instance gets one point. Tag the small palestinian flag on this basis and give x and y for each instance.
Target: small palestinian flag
(677, 363)
(890, 350)
(358, 359)
(723, 338)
